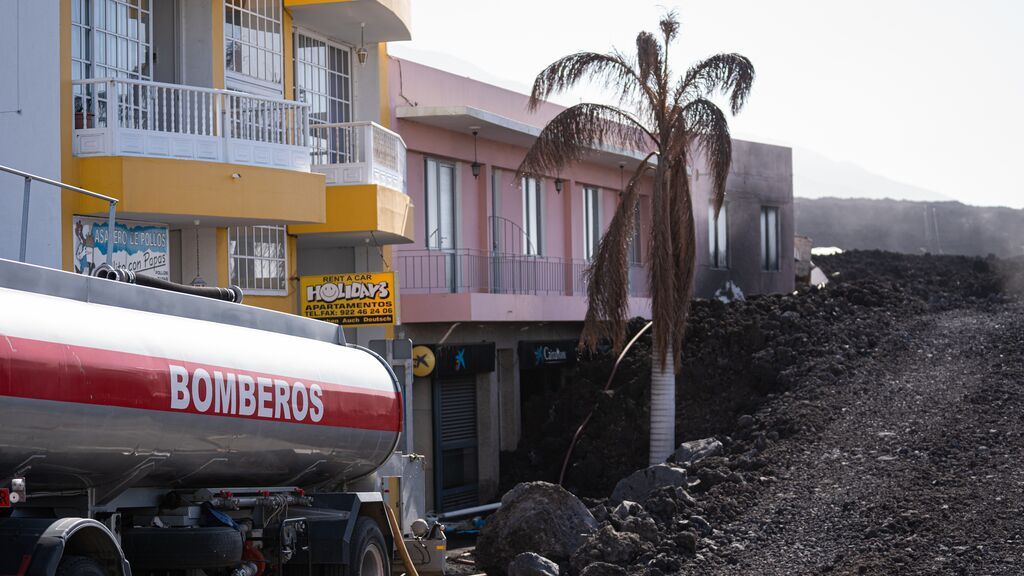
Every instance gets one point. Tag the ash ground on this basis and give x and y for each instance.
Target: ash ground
(873, 427)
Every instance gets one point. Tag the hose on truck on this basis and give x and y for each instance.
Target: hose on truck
(230, 294)
(400, 542)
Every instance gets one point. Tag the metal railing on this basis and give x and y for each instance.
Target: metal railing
(122, 103)
(376, 153)
(26, 200)
(473, 271)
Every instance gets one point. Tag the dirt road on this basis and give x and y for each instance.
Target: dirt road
(912, 463)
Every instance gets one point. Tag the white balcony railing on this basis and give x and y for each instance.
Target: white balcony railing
(122, 117)
(358, 153)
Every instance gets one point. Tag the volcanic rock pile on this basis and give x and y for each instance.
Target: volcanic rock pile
(738, 358)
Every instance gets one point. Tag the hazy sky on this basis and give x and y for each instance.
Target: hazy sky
(926, 92)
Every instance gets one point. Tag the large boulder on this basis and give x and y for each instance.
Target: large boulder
(639, 484)
(690, 453)
(534, 517)
(530, 564)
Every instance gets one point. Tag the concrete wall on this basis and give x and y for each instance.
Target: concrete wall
(207, 256)
(761, 175)
(196, 50)
(30, 126)
(365, 83)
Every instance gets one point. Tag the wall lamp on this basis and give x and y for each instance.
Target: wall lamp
(361, 52)
(558, 185)
(475, 165)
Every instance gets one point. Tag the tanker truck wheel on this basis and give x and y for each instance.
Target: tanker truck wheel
(368, 555)
(79, 566)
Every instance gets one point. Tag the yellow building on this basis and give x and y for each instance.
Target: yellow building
(250, 135)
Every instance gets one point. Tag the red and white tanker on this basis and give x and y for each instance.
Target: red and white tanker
(164, 425)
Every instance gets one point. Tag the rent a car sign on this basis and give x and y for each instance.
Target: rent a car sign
(360, 299)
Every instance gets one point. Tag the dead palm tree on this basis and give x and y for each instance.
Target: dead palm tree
(675, 121)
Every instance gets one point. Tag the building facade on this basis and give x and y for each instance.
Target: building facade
(246, 140)
(493, 280)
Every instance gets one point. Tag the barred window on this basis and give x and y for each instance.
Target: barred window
(258, 259)
(252, 41)
(323, 79)
(109, 39)
(123, 39)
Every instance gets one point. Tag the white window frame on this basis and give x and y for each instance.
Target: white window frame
(120, 36)
(719, 256)
(240, 80)
(337, 149)
(433, 239)
(768, 230)
(533, 236)
(591, 221)
(257, 234)
(99, 26)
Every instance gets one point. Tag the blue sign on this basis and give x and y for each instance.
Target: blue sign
(141, 247)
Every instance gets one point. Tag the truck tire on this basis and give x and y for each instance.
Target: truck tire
(182, 548)
(369, 556)
(79, 566)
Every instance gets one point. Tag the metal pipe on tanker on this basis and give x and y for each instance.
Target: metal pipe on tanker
(470, 511)
(230, 294)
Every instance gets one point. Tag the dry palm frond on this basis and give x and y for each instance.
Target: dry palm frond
(613, 69)
(648, 57)
(709, 130)
(669, 25)
(608, 275)
(573, 133)
(729, 74)
(685, 259)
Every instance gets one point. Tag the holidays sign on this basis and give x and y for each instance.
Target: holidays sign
(361, 299)
(138, 246)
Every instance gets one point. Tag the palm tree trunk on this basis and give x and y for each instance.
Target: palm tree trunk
(663, 406)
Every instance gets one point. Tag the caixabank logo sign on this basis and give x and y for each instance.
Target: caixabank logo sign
(361, 299)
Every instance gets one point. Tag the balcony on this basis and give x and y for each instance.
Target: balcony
(471, 271)
(123, 117)
(357, 153)
(386, 20)
(469, 285)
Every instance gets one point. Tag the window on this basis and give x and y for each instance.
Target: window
(440, 178)
(122, 39)
(323, 79)
(257, 259)
(769, 239)
(718, 237)
(636, 257)
(531, 217)
(109, 39)
(81, 39)
(253, 52)
(591, 221)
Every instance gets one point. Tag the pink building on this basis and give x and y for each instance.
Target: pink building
(494, 279)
